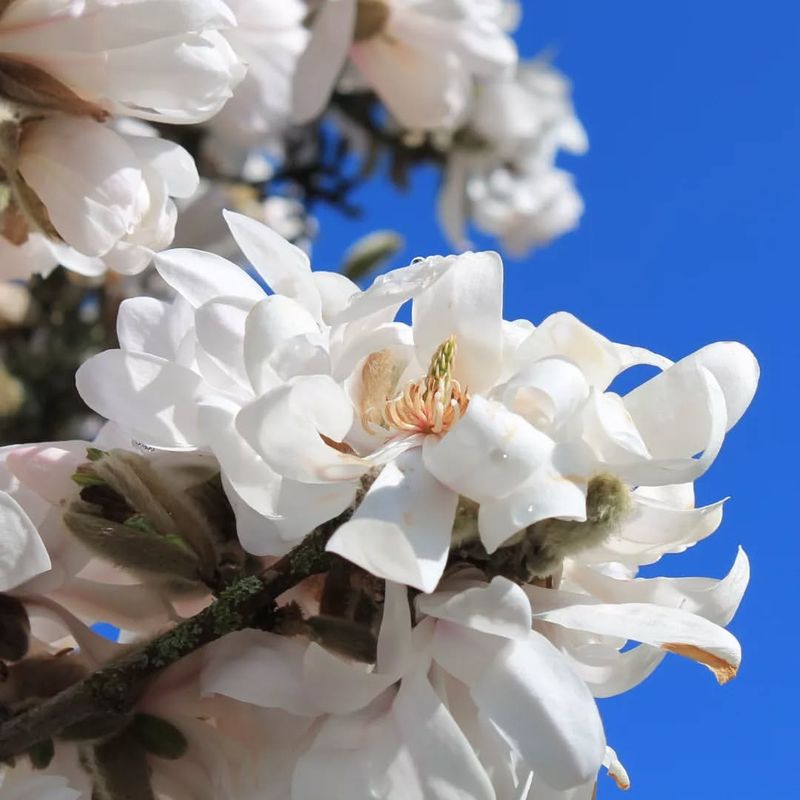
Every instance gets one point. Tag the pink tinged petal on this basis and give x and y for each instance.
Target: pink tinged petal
(272, 323)
(134, 607)
(333, 685)
(259, 668)
(286, 426)
(467, 302)
(402, 529)
(394, 638)
(47, 468)
(40, 787)
(220, 330)
(533, 699)
(443, 764)
(319, 66)
(97, 649)
(716, 600)
(672, 629)
(547, 392)
(199, 276)
(145, 394)
(489, 453)
(283, 266)
(22, 552)
(87, 177)
(500, 608)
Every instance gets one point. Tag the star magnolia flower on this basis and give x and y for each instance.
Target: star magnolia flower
(186, 380)
(468, 702)
(504, 178)
(93, 196)
(516, 420)
(419, 57)
(301, 394)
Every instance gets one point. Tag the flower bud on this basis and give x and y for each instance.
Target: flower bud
(547, 543)
(169, 522)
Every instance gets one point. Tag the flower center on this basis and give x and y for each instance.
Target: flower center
(432, 404)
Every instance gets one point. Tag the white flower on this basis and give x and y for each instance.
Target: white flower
(301, 394)
(501, 171)
(467, 702)
(421, 58)
(107, 193)
(78, 191)
(154, 59)
(186, 369)
(269, 38)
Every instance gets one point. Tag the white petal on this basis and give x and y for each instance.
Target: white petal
(467, 302)
(716, 600)
(601, 360)
(199, 276)
(445, 767)
(220, 329)
(88, 178)
(672, 410)
(318, 68)
(143, 393)
(257, 667)
(532, 697)
(283, 266)
(271, 323)
(22, 552)
(489, 453)
(401, 531)
(173, 164)
(285, 426)
(547, 392)
(673, 629)
(500, 608)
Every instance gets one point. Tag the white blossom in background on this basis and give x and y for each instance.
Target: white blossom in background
(501, 174)
(93, 195)
(421, 58)
(269, 38)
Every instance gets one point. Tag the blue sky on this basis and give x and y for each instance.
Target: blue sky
(692, 190)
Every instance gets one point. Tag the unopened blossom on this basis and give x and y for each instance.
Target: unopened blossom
(95, 196)
(501, 174)
(420, 58)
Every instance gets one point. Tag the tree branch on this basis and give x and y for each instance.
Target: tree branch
(111, 692)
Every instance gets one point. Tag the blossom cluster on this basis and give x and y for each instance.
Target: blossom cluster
(94, 94)
(492, 501)
(454, 507)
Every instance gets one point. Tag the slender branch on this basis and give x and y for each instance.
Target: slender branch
(112, 691)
